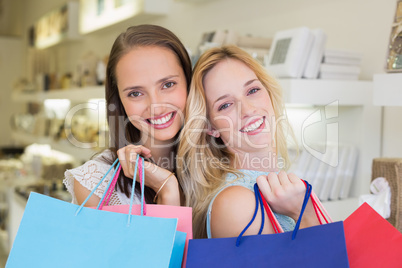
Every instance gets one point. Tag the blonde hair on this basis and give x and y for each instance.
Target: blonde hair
(200, 167)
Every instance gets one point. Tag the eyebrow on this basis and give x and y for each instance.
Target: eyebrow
(227, 95)
(157, 82)
(249, 82)
(221, 97)
(166, 78)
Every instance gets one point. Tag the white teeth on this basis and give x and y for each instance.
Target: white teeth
(254, 126)
(162, 120)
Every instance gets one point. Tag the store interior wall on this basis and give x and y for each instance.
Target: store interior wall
(355, 25)
(11, 18)
(10, 68)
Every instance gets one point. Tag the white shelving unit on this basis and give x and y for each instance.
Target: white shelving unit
(75, 95)
(387, 89)
(323, 92)
(359, 124)
(91, 20)
(81, 154)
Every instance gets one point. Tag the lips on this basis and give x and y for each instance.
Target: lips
(162, 121)
(252, 126)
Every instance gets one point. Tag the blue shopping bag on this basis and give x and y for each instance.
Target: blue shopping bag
(318, 246)
(54, 233)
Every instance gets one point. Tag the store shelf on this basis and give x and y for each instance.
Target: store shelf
(387, 89)
(73, 94)
(296, 91)
(339, 210)
(357, 120)
(91, 20)
(81, 154)
(64, 24)
(323, 92)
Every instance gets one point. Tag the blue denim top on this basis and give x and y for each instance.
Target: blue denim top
(248, 181)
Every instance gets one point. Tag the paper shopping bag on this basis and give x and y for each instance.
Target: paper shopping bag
(51, 235)
(182, 214)
(54, 233)
(371, 240)
(318, 246)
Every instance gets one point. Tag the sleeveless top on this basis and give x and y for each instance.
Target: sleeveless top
(89, 175)
(248, 182)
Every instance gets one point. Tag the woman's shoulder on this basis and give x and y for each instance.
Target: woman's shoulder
(90, 173)
(232, 197)
(231, 211)
(96, 166)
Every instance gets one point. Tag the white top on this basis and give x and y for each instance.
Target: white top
(89, 175)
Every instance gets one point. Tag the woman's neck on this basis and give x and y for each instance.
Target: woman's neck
(259, 161)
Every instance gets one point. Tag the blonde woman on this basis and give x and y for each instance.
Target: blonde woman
(233, 136)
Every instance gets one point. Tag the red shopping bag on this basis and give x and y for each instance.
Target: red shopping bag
(371, 241)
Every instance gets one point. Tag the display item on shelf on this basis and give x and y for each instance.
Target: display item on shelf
(312, 68)
(289, 52)
(45, 163)
(340, 65)
(256, 46)
(329, 181)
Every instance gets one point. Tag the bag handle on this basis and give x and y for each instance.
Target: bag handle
(271, 216)
(112, 185)
(258, 201)
(319, 209)
(108, 193)
(139, 164)
(321, 213)
(117, 169)
(97, 186)
(141, 172)
(274, 221)
(305, 201)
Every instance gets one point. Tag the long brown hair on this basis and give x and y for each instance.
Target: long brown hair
(122, 132)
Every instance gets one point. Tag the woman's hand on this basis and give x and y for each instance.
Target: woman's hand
(285, 194)
(154, 175)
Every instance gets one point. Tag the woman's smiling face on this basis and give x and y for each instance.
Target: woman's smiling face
(239, 107)
(153, 89)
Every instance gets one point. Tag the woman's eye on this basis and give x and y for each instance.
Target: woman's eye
(168, 84)
(134, 94)
(252, 91)
(223, 106)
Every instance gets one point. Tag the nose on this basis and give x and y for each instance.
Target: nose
(154, 98)
(156, 104)
(248, 108)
